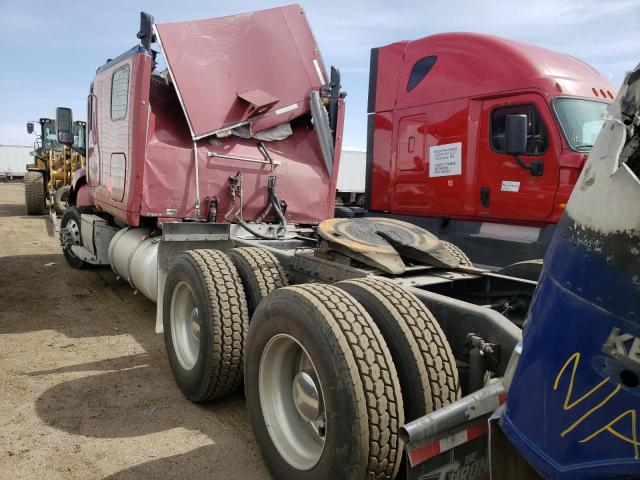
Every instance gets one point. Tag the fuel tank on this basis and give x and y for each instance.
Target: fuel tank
(133, 254)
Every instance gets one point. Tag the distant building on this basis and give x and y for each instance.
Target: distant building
(14, 160)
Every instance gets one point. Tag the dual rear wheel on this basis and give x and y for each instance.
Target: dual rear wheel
(331, 372)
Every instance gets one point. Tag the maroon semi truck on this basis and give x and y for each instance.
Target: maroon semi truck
(436, 152)
(209, 187)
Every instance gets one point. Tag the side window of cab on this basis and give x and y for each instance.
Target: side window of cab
(120, 93)
(536, 132)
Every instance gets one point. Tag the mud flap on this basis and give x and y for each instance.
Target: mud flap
(505, 460)
(463, 455)
(452, 443)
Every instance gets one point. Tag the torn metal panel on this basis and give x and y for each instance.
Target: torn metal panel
(242, 68)
(608, 169)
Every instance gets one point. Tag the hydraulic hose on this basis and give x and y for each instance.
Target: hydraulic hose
(253, 232)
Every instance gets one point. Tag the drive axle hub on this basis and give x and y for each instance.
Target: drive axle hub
(306, 397)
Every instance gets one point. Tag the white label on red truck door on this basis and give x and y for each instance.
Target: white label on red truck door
(445, 160)
(510, 186)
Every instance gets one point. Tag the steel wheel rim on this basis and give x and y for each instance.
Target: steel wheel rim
(298, 440)
(185, 325)
(72, 227)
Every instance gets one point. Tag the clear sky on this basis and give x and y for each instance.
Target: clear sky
(49, 50)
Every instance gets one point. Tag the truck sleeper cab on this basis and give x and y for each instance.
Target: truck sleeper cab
(141, 143)
(436, 148)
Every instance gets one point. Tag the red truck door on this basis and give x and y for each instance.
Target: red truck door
(506, 190)
(410, 187)
(433, 165)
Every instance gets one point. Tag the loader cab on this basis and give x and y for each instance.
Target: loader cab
(79, 131)
(48, 136)
(437, 136)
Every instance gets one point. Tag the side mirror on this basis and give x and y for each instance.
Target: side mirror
(29, 127)
(515, 134)
(64, 125)
(146, 31)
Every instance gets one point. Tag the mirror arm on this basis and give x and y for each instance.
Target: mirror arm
(536, 167)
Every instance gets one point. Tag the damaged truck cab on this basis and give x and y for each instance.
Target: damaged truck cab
(146, 126)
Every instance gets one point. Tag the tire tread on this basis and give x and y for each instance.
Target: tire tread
(458, 253)
(267, 272)
(437, 367)
(231, 321)
(34, 192)
(358, 334)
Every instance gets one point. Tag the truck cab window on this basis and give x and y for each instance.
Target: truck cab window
(419, 71)
(120, 93)
(581, 121)
(536, 133)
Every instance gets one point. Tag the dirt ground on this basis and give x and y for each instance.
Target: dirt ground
(85, 386)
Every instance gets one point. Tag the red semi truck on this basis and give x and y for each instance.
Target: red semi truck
(208, 188)
(436, 139)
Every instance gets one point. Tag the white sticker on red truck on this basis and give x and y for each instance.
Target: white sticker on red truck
(510, 186)
(445, 160)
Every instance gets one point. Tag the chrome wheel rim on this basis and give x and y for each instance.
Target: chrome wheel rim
(292, 402)
(73, 228)
(185, 325)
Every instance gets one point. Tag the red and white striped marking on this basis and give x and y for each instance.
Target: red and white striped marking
(430, 450)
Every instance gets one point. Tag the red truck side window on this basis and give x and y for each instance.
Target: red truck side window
(536, 133)
(419, 71)
(119, 93)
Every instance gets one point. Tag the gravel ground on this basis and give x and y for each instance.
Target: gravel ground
(85, 386)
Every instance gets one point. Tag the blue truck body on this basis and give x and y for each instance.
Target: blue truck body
(573, 407)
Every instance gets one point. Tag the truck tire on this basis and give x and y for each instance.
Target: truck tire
(72, 221)
(205, 324)
(318, 339)
(343, 212)
(34, 193)
(61, 199)
(260, 272)
(422, 355)
(458, 253)
(528, 269)
(358, 211)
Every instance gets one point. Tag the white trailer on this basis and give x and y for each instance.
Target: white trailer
(14, 160)
(351, 177)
